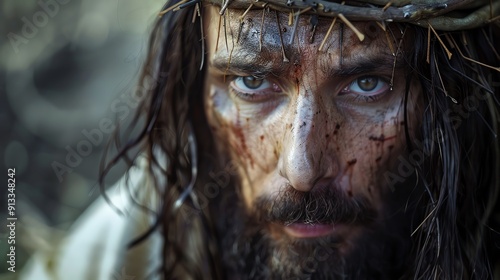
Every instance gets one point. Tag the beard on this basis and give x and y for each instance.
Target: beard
(252, 250)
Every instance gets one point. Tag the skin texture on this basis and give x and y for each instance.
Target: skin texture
(307, 126)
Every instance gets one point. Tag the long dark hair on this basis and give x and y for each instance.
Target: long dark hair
(461, 174)
(458, 149)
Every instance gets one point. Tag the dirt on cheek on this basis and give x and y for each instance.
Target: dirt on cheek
(239, 142)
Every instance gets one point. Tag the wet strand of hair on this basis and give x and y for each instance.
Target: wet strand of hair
(489, 42)
(200, 14)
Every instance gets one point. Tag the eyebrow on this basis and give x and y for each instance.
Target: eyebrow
(263, 67)
(364, 65)
(239, 64)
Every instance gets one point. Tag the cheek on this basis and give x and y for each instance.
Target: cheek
(250, 141)
(369, 144)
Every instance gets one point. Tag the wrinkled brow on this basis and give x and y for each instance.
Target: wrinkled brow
(250, 63)
(363, 64)
(247, 63)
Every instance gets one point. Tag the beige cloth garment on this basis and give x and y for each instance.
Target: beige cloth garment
(96, 245)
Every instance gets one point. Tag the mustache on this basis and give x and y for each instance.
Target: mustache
(328, 205)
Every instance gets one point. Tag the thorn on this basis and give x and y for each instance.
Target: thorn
(195, 13)
(341, 43)
(475, 61)
(389, 42)
(261, 28)
(232, 46)
(360, 35)
(387, 6)
(403, 32)
(493, 19)
(185, 5)
(304, 10)
(440, 41)
(382, 25)
(295, 23)
(202, 37)
(439, 75)
(285, 59)
(239, 31)
(428, 57)
(218, 33)
(246, 11)
(464, 39)
(225, 31)
(327, 34)
(422, 223)
(314, 22)
(224, 7)
(393, 71)
(172, 7)
(447, 36)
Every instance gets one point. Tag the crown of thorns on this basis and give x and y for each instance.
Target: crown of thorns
(446, 15)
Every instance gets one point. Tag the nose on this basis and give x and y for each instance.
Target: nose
(306, 159)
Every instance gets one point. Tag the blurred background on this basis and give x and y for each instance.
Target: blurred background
(67, 72)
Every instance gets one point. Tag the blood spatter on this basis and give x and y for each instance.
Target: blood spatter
(352, 162)
(381, 138)
(337, 127)
(242, 146)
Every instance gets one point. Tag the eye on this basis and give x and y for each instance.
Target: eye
(368, 86)
(251, 83)
(254, 89)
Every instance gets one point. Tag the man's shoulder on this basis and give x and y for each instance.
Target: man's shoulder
(96, 246)
(89, 251)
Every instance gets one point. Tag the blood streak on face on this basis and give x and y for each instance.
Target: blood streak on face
(293, 116)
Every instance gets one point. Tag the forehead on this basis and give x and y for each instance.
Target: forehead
(269, 38)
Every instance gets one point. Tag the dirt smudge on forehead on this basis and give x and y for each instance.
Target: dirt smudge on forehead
(244, 38)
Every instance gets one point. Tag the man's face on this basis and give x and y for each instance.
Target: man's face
(313, 132)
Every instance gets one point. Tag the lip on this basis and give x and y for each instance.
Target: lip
(301, 230)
